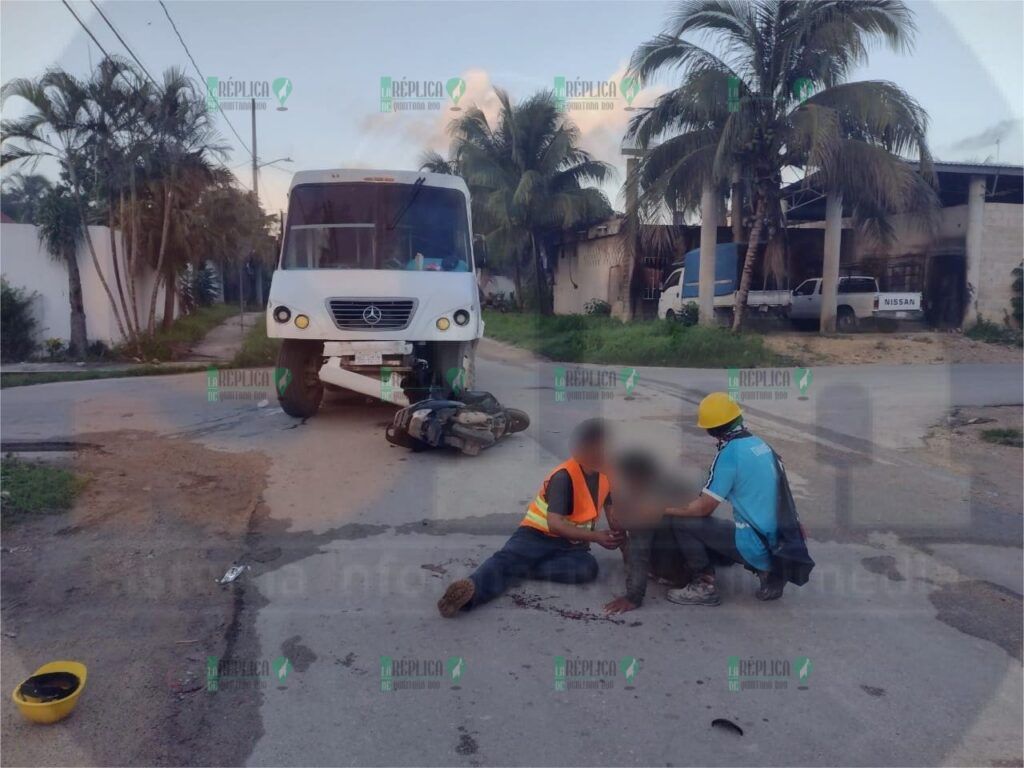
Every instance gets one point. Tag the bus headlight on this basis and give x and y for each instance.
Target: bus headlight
(301, 322)
(282, 314)
(443, 323)
(461, 317)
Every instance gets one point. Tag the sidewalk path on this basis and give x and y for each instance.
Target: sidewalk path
(223, 342)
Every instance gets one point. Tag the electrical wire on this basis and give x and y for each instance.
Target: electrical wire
(87, 30)
(201, 75)
(121, 39)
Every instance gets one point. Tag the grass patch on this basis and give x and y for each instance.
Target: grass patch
(8, 380)
(257, 350)
(30, 488)
(589, 339)
(184, 332)
(1003, 436)
(993, 333)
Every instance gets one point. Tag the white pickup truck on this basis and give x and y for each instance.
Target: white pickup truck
(858, 300)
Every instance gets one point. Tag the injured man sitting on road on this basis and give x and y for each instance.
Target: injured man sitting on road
(642, 493)
(553, 540)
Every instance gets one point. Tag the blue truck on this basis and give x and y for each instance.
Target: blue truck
(681, 286)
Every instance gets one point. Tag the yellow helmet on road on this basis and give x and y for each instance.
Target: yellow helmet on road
(51, 692)
(717, 410)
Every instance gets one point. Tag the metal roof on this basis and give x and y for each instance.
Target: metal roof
(977, 168)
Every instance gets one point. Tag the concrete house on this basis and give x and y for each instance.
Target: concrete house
(963, 268)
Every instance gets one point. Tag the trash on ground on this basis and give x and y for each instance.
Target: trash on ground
(726, 725)
(473, 422)
(232, 573)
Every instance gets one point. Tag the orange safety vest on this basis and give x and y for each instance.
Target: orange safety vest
(584, 511)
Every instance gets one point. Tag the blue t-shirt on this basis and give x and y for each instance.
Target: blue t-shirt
(744, 474)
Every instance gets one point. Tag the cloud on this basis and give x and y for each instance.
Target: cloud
(403, 136)
(415, 132)
(988, 137)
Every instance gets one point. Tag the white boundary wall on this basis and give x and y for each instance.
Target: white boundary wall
(25, 263)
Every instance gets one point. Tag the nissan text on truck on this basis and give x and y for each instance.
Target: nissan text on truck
(376, 289)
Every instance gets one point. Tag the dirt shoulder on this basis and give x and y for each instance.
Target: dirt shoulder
(958, 445)
(925, 347)
(125, 582)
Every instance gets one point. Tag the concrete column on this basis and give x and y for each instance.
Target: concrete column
(709, 202)
(975, 228)
(830, 268)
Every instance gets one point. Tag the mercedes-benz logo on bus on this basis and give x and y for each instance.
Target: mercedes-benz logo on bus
(371, 315)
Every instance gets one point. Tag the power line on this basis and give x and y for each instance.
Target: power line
(201, 75)
(126, 46)
(87, 30)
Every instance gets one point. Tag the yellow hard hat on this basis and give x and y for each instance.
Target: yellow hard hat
(717, 410)
(51, 692)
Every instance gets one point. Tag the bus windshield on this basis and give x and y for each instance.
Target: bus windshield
(377, 226)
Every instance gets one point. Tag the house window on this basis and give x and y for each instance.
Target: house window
(905, 277)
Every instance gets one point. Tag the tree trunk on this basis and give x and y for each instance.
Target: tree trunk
(542, 304)
(708, 241)
(134, 265)
(830, 267)
(79, 336)
(739, 235)
(518, 276)
(753, 246)
(168, 198)
(118, 283)
(170, 290)
(92, 248)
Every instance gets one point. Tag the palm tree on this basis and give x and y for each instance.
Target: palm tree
(58, 126)
(23, 194)
(60, 231)
(742, 110)
(182, 136)
(527, 175)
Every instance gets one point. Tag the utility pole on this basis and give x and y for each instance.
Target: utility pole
(256, 198)
(255, 167)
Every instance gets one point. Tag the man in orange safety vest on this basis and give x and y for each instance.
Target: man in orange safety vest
(553, 540)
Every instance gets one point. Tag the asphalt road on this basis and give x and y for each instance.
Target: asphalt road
(915, 655)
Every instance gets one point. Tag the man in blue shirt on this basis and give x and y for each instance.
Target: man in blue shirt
(744, 474)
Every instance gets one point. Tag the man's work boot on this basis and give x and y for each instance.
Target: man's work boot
(772, 585)
(697, 592)
(455, 597)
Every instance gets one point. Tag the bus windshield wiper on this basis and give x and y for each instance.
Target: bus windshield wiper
(416, 187)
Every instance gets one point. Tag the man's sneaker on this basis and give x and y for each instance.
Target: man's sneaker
(771, 586)
(455, 597)
(697, 592)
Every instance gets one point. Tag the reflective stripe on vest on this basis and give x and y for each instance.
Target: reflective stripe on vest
(584, 512)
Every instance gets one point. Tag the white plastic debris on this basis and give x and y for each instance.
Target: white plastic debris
(232, 573)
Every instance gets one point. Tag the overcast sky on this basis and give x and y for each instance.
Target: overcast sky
(967, 68)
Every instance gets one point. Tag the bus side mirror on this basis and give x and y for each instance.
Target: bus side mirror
(480, 251)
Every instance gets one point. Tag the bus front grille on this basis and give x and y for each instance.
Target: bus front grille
(372, 314)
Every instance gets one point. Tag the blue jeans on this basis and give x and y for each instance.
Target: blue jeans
(531, 554)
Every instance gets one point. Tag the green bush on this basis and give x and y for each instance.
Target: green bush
(993, 333)
(1003, 436)
(690, 314)
(1017, 287)
(17, 341)
(588, 339)
(598, 307)
(55, 349)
